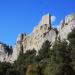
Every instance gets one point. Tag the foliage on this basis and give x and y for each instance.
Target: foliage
(60, 60)
(62, 52)
(71, 38)
(44, 51)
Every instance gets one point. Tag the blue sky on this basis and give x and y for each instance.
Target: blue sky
(20, 16)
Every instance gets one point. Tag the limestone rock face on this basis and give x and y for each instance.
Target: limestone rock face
(66, 26)
(38, 36)
(41, 32)
(35, 40)
(4, 53)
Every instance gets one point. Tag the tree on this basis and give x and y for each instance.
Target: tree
(44, 51)
(12, 71)
(62, 52)
(71, 38)
(24, 60)
(4, 68)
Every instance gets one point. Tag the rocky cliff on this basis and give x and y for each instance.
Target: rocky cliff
(41, 32)
(66, 26)
(5, 52)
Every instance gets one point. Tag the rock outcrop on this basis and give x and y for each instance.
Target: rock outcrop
(41, 32)
(66, 26)
(5, 52)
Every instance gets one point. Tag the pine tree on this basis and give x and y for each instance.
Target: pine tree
(71, 38)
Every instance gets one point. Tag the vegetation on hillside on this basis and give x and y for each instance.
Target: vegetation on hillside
(60, 60)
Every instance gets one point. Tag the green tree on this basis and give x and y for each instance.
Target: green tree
(4, 67)
(71, 38)
(24, 60)
(12, 71)
(44, 51)
(62, 52)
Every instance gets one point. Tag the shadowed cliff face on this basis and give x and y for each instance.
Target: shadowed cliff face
(42, 32)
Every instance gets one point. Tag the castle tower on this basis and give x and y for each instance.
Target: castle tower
(46, 19)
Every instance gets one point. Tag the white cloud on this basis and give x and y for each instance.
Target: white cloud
(53, 18)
